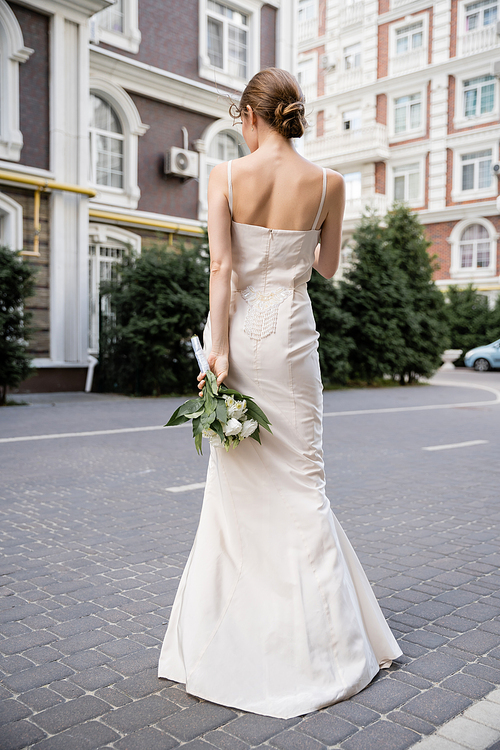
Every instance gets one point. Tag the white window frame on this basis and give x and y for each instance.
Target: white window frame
(456, 272)
(215, 75)
(129, 39)
(132, 127)
(351, 111)
(104, 234)
(11, 222)
(203, 147)
(394, 27)
(410, 159)
(463, 18)
(407, 134)
(353, 43)
(309, 89)
(12, 53)
(460, 120)
(457, 194)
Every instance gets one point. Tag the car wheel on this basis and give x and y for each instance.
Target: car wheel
(481, 365)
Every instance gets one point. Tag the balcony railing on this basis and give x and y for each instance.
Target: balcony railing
(477, 41)
(369, 143)
(310, 91)
(347, 79)
(307, 29)
(355, 207)
(352, 13)
(416, 59)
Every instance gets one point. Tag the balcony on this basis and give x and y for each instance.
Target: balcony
(477, 41)
(355, 207)
(405, 62)
(351, 14)
(307, 30)
(339, 150)
(310, 91)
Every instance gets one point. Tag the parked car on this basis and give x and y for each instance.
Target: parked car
(483, 358)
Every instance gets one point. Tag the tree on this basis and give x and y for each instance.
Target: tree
(158, 301)
(16, 284)
(374, 294)
(470, 321)
(333, 324)
(424, 328)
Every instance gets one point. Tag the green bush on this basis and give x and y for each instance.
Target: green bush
(158, 301)
(16, 284)
(470, 321)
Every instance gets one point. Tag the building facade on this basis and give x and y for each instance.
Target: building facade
(113, 114)
(405, 103)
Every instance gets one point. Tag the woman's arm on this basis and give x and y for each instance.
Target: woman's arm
(327, 253)
(219, 235)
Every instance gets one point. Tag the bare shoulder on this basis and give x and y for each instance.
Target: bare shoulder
(335, 180)
(218, 174)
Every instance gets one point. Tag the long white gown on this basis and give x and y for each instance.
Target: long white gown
(274, 613)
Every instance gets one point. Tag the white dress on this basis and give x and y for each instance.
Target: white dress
(274, 613)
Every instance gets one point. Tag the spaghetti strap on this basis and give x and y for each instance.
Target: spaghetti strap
(322, 202)
(230, 189)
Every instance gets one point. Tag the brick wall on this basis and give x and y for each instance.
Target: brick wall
(322, 18)
(161, 193)
(320, 123)
(453, 29)
(438, 234)
(383, 6)
(267, 37)
(380, 170)
(381, 114)
(34, 88)
(39, 304)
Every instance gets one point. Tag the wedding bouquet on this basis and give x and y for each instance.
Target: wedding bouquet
(222, 415)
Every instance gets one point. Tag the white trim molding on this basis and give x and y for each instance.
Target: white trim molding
(411, 157)
(413, 59)
(468, 147)
(471, 73)
(120, 101)
(129, 38)
(216, 75)
(12, 53)
(102, 233)
(11, 217)
(472, 274)
(405, 135)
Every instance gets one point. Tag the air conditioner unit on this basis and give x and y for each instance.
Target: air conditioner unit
(181, 162)
(495, 168)
(327, 62)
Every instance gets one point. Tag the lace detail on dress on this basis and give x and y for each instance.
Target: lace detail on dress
(262, 313)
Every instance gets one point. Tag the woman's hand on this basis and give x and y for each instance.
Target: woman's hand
(219, 365)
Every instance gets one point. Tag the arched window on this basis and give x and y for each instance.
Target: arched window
(221, 141)
(225, 146)
(475, 247)
(12, 52)
(106, 144)
(115, 127)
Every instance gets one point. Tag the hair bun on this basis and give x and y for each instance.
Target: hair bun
(290, 119)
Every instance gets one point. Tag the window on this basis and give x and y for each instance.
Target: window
(115, 127)
(106, 144)
(117, 26)
(407, 182)
(480, 14)
(221, 142)
(475, 247)
(479, 95)
(306, 76)
(11, 222)
(227, 39)
(352, 56)
(351, 120)
(307, 10)
(12, 53)
(352, 186)
(107, 247)
(476, 170)
(409, 37)
(407, 113)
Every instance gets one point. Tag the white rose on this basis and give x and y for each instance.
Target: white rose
(237, 409)
(233, 427)
(249, 426)
(212, 436)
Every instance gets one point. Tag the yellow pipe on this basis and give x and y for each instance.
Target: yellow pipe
(44, 184)
(158, 223)
(36, 221)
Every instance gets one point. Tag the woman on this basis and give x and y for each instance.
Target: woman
(274, 614)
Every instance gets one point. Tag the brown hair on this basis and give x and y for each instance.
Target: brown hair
(275, 95)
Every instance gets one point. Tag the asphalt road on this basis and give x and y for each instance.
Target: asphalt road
(95, 540)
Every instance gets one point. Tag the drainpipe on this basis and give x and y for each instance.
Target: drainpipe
(90, 373)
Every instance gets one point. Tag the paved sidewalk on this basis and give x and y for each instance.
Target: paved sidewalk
(94, 546)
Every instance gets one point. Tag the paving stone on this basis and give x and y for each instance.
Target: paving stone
(411, 722)
(455, 623)
(431, 610)
(40, 698)
(425, 638)
(87, 736)
(385, 695)
(58, 718)
(83, 641)
(137, 662)
(224, 741)
(67, 689)
(140, 713)
(20, 734)
(437, 705)
(113, 696)
(383, 734)
(37, 676)
(464, 684)
(357, 714)
(291, 739)
(198, 745)
(193, 721)
(80, 625)
(327, 728)
(485, 712)
(96, 677)
(142, 684)
(11, 710)
(19, 643)
(468, 733)
(15, 663)
(435, 666)
(120, 647)
(477, 642)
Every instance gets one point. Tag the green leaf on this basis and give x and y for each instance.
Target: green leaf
(255, 435)
(176, 419)
(198, 443)
(211, 382)
(221, 410)
(217, 427)
(256, 413)
(197, 426)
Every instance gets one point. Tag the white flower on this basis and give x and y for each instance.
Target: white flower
(212, 436)
(249, 426)
(233, 427)
(235, 408)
